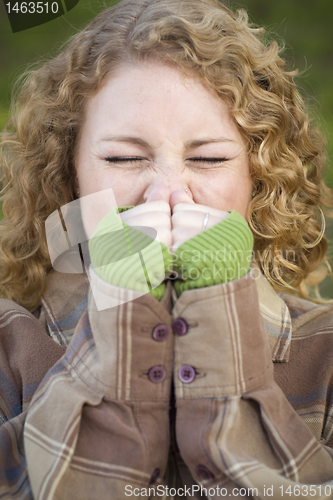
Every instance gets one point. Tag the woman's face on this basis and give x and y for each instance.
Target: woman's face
(151, 124)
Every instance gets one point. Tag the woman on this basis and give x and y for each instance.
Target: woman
(181, 112)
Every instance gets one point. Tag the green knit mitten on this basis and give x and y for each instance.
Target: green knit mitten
(217, 255)
(129, 258)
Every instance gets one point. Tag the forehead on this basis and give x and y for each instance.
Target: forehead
(151, 80)
(158, 93)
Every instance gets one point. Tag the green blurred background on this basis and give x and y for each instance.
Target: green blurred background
(305, 26)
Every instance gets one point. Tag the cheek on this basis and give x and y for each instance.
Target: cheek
(225, 194)
(90, 183)
(128, 188)
(238, 198)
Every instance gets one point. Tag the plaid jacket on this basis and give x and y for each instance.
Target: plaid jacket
(178, 399)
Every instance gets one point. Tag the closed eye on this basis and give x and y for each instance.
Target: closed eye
(201, 159)
(133, 159)
(123, 159)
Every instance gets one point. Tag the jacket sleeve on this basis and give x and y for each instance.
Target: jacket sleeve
(26, 354)
(99, 422)
(235, 429)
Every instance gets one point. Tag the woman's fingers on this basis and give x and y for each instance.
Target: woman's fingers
(154, 214)
(160, 192)
(189, 220)
(149, 218)
(148, 207)
(160, 222)
(180, 207)
(180, 197)
(194, 219)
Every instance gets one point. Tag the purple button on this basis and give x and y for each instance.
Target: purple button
(156, 374)
(160, 333)
(179, 326)
(203, 472)
(154, 476)
(186, 374)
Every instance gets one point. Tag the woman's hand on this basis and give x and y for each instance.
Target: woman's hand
(129, 256)
(188, 218)
(186, 221)
(155, 213)
(223, 254)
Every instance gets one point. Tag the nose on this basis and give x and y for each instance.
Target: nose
(168, 183)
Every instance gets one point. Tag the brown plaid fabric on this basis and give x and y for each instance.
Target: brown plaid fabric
(178, 399)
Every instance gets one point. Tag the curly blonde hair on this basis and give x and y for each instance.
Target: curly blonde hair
(201, 37)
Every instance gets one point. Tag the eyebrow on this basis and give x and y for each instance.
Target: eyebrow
(126, 138)
(188, 145)
(207, 140)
